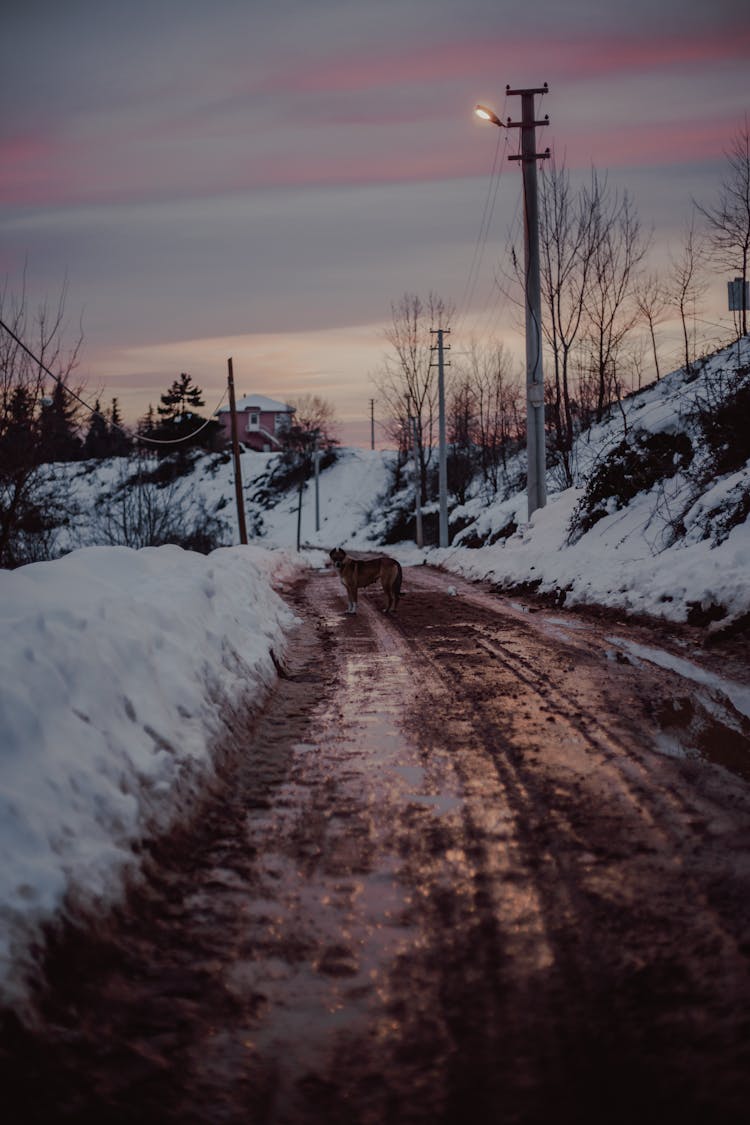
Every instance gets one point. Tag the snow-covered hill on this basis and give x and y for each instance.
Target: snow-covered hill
(660, 507)
(660, 522)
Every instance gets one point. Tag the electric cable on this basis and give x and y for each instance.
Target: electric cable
(128, 433)
(484, 226)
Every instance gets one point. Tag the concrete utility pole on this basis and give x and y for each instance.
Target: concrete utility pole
(417, 485)
(316, 455)
(236, 454)
(442, 448)
(536, 484)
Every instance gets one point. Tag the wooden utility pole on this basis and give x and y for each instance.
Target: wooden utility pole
(372, 423)
(236, 454)
(442, 447)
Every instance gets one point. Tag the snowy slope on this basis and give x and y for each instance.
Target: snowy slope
(670, 551)
(348, 491)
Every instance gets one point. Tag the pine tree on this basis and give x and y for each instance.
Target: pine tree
(118, 440)
(147, 424)
(181, 400)
(181, 421)
(18, 434)
(57, 427)
(96, 442)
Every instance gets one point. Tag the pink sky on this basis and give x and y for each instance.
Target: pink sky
(277, 175)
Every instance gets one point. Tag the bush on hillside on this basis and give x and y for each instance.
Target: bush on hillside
(633, 466)
(725, 429)
(142, 513)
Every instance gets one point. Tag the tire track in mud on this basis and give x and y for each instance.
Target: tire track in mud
(438, 884)
(559, 823)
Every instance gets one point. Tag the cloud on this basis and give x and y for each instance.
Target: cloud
(267, 171)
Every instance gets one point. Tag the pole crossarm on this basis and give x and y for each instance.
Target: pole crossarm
(532, 156)
(535, 90)
(524, 125)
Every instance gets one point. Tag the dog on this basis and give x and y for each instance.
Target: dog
(357, 572)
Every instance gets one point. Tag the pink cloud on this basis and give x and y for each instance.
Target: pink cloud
(377, 135)
(47, 173)
(654, 143)
(26, 163)
(447, 62)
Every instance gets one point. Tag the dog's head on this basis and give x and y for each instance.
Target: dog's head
(338, 554)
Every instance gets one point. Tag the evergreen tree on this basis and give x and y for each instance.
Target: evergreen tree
(57, 427)
(181, 400)
(18, 435)
(119, 442)
(180, 420)
(147, 424)
(96, 442)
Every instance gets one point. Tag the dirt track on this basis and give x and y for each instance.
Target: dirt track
(464, 872)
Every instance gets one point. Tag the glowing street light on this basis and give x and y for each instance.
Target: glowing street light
(487, 114)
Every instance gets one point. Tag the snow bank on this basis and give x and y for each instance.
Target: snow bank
(614, 564)
(118, 670)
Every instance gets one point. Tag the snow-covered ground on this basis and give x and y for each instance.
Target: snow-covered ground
(119, 668)
(120, 672)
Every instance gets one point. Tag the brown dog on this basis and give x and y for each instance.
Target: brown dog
(363, 570)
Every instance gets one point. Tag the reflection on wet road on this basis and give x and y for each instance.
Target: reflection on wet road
(451, 876)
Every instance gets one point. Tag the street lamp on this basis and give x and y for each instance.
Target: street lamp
(535, 441)
(487, 114)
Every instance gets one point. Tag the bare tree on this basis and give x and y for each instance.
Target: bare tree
(687, 286)
(618, 248)
(29, 505)
(314, 414)
(488, 399)
(566, 234)
(141, 512)
(461, 427)
(407, 382)
(729, 219)
(652, 302)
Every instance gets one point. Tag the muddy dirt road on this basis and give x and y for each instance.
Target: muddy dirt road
(464, 872)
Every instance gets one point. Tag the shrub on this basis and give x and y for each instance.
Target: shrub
(726, 430)
(633, 466)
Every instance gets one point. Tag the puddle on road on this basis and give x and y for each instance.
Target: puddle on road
(333, 911)
(707, 718)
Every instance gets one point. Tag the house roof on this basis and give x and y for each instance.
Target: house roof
(259, 402)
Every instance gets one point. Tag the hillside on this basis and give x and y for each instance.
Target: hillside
(658, 523)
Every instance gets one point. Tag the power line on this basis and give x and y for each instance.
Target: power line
(484, 227)
(92, 410)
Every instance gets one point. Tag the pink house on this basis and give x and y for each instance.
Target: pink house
(260, 422)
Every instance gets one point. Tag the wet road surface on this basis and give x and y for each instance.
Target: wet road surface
(475, 863)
